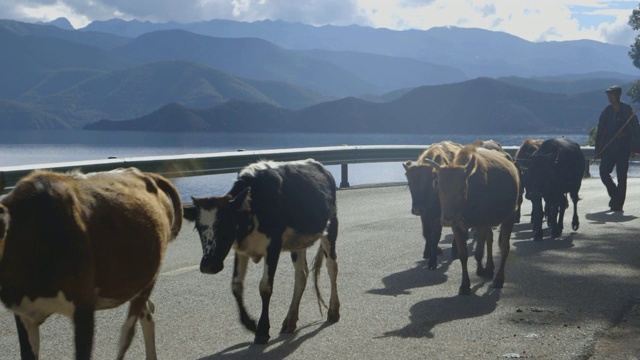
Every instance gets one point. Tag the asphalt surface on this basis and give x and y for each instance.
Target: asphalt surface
(571, 298)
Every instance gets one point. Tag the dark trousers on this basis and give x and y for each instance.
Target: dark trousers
(619, 159)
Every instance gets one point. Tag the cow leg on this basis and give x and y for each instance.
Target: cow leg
(23, 338)
(140, 308)
(485, 236)
(575, 222)
(149, 330)
(460, 237)
(32, 332)
(83, 320)
(301, 271)
(536, 217)
(516, 218)
(237, 287)
(266, 289)
(431, 231)
(552, 219)
(481, 237)
(505, 246)
(332, 269)
(563, 208)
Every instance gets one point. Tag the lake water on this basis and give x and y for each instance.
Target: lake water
(39, 147)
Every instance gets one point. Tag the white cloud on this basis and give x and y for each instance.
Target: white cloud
(534, 20)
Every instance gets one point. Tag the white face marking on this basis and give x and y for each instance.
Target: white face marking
(39, 309)
(205, 222)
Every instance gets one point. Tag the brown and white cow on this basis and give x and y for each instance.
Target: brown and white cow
(424, 197)
(272, 207)
(479, 189)
(75, 243)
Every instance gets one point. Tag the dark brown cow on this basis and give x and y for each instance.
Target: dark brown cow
(75, 243)
(424, 197)
(522, 160)
(479, 189)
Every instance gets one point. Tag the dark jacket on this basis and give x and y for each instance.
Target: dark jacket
(608, 126)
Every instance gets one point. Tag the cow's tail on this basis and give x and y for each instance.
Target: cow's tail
(317, 265)
(167, 186)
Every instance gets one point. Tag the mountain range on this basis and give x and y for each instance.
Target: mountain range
(477, 106)
(221, 75)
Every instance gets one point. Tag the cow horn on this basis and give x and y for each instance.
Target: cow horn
(431, 162)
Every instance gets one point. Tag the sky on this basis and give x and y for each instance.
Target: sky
(533, 20)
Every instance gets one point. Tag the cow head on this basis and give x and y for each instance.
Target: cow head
(452, 186)
(220, 222)
(420, 180)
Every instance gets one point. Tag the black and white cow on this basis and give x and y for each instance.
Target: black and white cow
(272, 206)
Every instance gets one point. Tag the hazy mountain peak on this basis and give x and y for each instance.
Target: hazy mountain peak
(60, 22)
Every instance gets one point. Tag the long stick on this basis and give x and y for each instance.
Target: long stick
(633, 113)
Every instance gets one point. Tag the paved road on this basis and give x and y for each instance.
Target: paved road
(559, 295)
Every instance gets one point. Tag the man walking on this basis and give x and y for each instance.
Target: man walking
(617, 124)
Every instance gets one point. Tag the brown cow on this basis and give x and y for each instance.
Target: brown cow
(76, 243)
(424, 198)
(479, 189)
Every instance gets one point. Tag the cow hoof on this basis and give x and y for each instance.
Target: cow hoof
(575, 227)
(464, 291)
(261, 339)
(432, 265)
(288, 326)
(537, 238)
(333, 316)
(498, 283)
(556, 234)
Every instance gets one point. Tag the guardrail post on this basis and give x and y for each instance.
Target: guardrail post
(344, 182)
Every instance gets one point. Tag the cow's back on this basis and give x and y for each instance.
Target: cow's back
(569, 167)
(95, 229)
(493, 189)
(300, 195)
(442, 153)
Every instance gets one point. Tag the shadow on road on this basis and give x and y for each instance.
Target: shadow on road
(425, 315)
(281, 347)
(534, 247)
(604, 217)
(418, 276)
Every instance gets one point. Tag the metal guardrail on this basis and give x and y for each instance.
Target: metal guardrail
(229, 162)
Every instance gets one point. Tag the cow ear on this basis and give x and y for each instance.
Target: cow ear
(242, 201)
(406, 165)
(471, 167)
